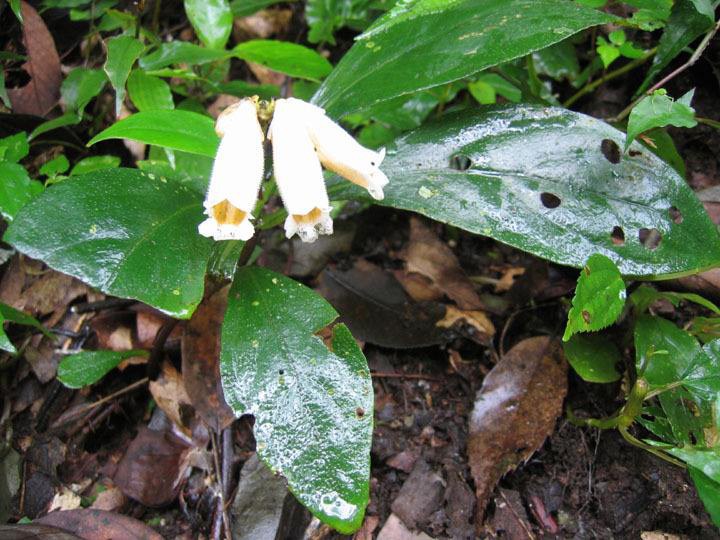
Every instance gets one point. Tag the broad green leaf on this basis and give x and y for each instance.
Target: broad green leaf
(245, 89)
(427, 43)
(607, 52)
(16, 8)
(645, 295)
(313, 407)
(16, 189)
(80, 86)
(57, 165)
(666, 354)
(691, 418)
(243, 8)
(284, 57)
(660, 143)
(706, 329)
(706, 460)
(132, 235)
(686, 24)
(537, 179)
(326, 16)
(650, 14)
(488, 85)
(709, 492)
(212, 21)
(659, 110)
(88, 367)
(599, 297)
(594, 358)
(67, 119)
(95, 163)
(10, 314)
(180, 52)
(180, 130)
(14, 148)
(558, 61)
(149, 93)
(122, 51)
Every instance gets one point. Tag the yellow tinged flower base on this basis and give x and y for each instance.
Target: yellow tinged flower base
(310, 218)
(226, 214)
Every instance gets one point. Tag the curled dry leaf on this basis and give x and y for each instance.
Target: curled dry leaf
(91, 524)
(426, 254)
(200, 361)
(483, 327)
(514, 412)
(42, 93)
(169, 392)
(33, 531)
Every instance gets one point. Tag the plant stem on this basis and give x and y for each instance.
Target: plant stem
(609, 76)
(694, 58)
(708, 122)
(644, 446)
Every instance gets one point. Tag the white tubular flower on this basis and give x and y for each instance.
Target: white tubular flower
(236, 175)
(298, 175)
(341, 153)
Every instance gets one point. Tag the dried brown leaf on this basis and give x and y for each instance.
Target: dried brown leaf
(481, 324)
(426, 254)
(201, 362)
(91, 524)
(33, 531)
(514, 412)
(42, 93)
(419, 287)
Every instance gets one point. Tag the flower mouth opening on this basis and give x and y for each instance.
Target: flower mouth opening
(227, 214)
(311, 218)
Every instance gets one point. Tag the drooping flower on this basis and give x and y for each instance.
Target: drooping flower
(340, 152)
(236, 175)
(298, 174)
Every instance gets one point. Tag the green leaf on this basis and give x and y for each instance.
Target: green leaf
(243, 8)
(706, 329)
(16, 189)
(95, 163)
(659, 110)
(313, 407)
(490, 84)
(284, 57)
(180, 130)
(686, 24)
(122, 51)
(651, 14)
(599, 297)
(212, 21)
(645, 295)
(326, 16)
(666, 354)
(594, 358)
(57, 165)
(67, 119)
(607, 51)
(558, 61)
(180, 52)
(16, 8)
(706, 460)
(132, 235)
(427, 43)
(3, 91)
(709, 492)
(246, 89)
(10, 314)
(88, 367)
(149, 93)
(14, 148)
(80, 86)
(537, 179)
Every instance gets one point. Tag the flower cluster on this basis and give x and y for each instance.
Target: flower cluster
(303, 140)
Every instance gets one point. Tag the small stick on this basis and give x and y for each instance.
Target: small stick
(389, 375)
(108, 303)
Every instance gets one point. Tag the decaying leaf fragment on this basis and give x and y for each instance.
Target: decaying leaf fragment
(514, 412)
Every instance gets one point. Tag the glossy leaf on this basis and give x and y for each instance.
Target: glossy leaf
(14, 148)
(16, 189)
(537, 179)
(426, 43)
(599, 297)
(709, 492)
(660, 110)
(284, 57)
(180, 52)
(686, 24)
(57, 165)
(94, 163)
(312, 406)
(132, 235)
(15, 6)
(122, 51)
(243, 8)
(705, 460)
(666, 354)
(212, 21)
(10, 314)
(88, 367)
(594, 358)
(149, 93)
(180, 130)
(80, 86)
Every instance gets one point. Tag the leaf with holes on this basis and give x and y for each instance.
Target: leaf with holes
(599, 297)
(554, 183)
(313, 407)
(88, 367)
(128, 233)
(427, 43)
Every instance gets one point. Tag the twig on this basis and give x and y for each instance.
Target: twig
(108, 303)
(608, 77)
(228, 466)
(691, 61)
(390, 375)
(166, 329)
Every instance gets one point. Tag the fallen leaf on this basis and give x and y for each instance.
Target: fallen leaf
(114, 330)
(368, 528)
(420, 496)
(515, 410)
(265, 75)
(419, 287)
(262, 25)
(394, 529)
(33, 531)
(148, 323)
(110, 500)
(150, 471)
(42, 93)
(65, 499)
(705, 283)
(507, 279)
(510, 519)
(426, 254)
(200, 362)
(91, 524)
(376, 309)
(481, 324)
